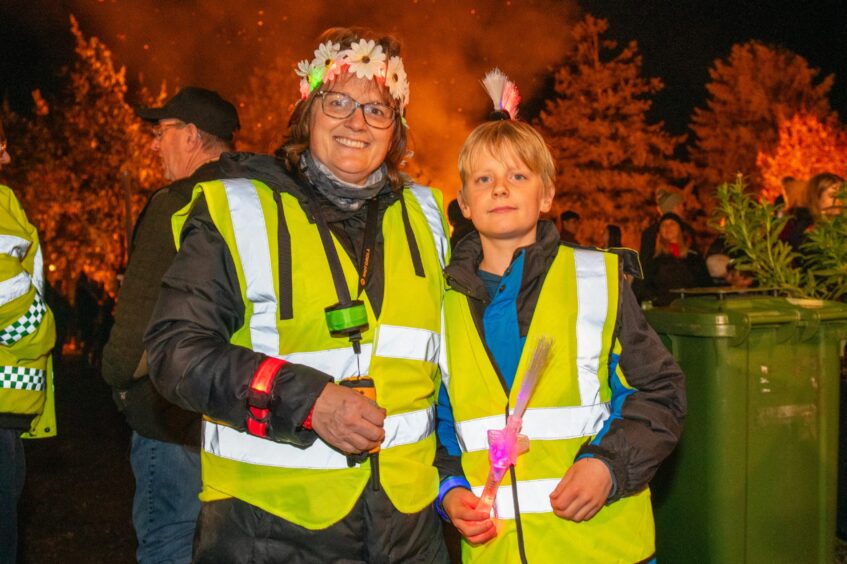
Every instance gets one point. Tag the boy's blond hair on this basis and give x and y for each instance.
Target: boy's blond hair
(520, 138)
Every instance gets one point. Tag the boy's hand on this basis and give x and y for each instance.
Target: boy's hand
(475, 526)
(583, 490)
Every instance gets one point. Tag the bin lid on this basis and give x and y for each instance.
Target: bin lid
(722, 312)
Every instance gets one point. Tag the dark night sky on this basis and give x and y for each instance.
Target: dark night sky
(678, 39)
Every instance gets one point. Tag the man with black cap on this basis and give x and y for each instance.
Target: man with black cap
(191, 132)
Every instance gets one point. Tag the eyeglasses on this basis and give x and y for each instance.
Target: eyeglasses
(341, 106)
(159, 130)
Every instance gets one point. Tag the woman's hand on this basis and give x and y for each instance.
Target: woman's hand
(476, 526)
(583, 491)
(348, 420)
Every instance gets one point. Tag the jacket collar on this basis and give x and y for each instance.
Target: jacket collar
(462, 275)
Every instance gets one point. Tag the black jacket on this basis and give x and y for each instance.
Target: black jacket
(652, 417)
(191, 359)
(667, 272)
(649, 236)
(151, 252)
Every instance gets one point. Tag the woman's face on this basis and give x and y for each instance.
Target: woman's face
(350, 147)
(669, 231)
(827, 202)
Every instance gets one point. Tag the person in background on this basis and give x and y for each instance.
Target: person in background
(570, 224)
(668, 201)
(191, 132)
(721, 266)
(821, 195)
(461, 226)
(613, 237)
(674, 264)
(313, 276)
(819, 199)
(27, 335)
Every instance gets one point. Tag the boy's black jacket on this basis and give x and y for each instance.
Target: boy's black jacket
(651, 418)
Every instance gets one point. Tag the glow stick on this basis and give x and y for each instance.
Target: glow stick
(505, 445)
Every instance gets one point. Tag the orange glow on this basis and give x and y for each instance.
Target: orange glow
(806, 147)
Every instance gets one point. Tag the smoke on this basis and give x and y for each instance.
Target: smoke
(448, 45)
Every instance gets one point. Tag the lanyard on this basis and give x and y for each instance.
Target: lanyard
(368, 247)
(368, 244)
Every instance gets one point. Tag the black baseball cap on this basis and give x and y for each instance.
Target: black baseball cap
(204, 108)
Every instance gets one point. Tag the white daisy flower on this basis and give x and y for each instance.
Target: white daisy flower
(365, 58)
(303, 68)
(326, 54)
(332, 71)
(396, 80)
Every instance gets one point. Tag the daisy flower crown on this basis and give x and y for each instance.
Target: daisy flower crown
(365, 58)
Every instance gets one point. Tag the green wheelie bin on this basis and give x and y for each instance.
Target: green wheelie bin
(754, 477)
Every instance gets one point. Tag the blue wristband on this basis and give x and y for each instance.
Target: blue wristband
(448, 484)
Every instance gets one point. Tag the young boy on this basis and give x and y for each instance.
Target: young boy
(607, 409)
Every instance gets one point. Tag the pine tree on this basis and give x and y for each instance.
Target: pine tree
(264, 108)
(610, 160)
(750, 92)
(81, 151)
(805, 147)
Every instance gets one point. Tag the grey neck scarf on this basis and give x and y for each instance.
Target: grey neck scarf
(344, 195)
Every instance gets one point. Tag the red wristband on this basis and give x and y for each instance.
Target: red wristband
(307, 423)
(257, 419)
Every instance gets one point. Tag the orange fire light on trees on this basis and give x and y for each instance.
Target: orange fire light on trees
(807, 146)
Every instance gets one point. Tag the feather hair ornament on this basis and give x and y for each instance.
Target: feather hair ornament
(503, 93)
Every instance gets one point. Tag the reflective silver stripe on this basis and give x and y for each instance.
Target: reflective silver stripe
(592, 306)
(533, 497)
(442, 354)
(539, 424)
(392, 342)
(410, 343)
(410, 427)
(339, 363)
(248, 224)
(226, 442)
(14, 287)
(38, 272)
(14, 246)
(432, 212)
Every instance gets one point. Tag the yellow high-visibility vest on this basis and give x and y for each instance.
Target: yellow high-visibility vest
(577, 307)
(27, 329)
(314, 487)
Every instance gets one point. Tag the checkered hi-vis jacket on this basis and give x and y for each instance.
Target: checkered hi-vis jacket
(27, 330)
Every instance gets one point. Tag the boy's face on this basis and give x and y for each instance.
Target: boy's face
(504, 198)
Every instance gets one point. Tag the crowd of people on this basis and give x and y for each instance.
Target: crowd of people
(312, 366)
(672, 258)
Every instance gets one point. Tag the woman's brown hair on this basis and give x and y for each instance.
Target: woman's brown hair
(819, 184)
(298, 135)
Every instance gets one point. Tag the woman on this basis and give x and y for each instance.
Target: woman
(819, 200)
(821, 194)
(674, 264)
(323, 269)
